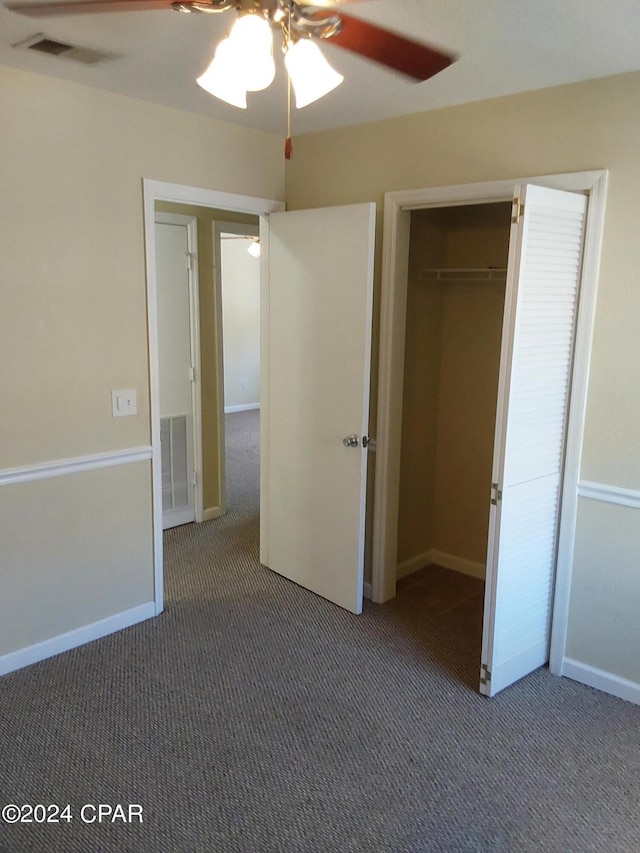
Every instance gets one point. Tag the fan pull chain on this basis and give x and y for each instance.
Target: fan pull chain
(288, 144)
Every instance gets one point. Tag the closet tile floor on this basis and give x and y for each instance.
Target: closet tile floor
(447, 593)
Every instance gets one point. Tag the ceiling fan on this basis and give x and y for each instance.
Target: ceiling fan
(243, 61)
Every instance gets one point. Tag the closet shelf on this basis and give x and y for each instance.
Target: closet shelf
(465, 274)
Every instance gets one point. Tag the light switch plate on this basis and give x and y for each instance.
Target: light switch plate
(124, 402)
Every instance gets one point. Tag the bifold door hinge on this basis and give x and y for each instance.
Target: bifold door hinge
(195, 478)
(496, 494)
(485, 675)
(518, 211)
(191, 259)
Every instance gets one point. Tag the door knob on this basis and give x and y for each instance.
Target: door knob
(351, 441)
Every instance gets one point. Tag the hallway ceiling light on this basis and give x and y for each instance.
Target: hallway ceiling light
(254, 247)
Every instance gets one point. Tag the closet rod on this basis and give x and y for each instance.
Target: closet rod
(464, 274)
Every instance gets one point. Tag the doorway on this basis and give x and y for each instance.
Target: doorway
(160, 197)
(456, 282)
(237, 269)
(211, 366)
(237, 252)
(455, 302)
(557, 487)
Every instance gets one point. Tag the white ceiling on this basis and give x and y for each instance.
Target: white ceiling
(504, 46)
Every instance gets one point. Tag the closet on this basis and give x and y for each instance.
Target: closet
(454, 321)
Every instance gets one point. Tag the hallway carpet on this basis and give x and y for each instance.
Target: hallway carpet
(254, 716)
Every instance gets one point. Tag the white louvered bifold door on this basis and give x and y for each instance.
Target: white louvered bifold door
(545, 258)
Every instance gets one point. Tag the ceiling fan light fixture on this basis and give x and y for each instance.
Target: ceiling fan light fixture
(311, 75)
(221, 77)
(252, 42)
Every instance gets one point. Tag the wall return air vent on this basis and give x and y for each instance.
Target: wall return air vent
(62, 50)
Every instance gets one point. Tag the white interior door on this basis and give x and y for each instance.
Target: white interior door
(319, 356)
(176, 371)
(545, 258)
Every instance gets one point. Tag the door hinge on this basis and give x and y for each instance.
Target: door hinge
(368, 443)
(496, 494)
(195, 478)
(485, 675)
(518, 211)
(191, 258)
(192, 374)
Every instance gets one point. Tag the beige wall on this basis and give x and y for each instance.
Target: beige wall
(241, 323)
(73, 327)
(75, 550)
(607, 588)
(208, 303)
(471, 336)
(421, 391)
(452, 350)
(565, 129)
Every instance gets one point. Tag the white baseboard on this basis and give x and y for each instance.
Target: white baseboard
(448, 561)
(460, 564)
(366, 590)
(245, 407)
(408, 567)
(211, 513)
(77, 637)
(602, 680)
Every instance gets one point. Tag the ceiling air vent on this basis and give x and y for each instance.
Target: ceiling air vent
(55, 48)
(41, 44)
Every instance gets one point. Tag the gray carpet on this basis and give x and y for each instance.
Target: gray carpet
(254, 716)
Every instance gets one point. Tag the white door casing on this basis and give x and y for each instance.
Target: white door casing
(320, 309)
(543, 282)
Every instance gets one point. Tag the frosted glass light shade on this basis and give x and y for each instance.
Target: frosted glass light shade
(310, 73)
(222, 79)
(254, 248)
(252, 43)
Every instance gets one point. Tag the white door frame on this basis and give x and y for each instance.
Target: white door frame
(191, 224)
(181, 194)
(393, 304)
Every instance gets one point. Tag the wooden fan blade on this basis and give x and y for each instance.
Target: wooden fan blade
(412, 58)
(83, 7)
(325, 4)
